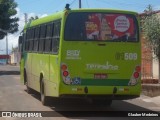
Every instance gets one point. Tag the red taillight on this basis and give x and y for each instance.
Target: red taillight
(64, 67)
(65, 73)
(138, 69)
(136, 74)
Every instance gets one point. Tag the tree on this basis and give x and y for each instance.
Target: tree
(8, 21)
(151, 29)
(33, 18)
(14, 49)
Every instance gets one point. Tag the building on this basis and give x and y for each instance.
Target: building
(4, 59)
(15, 57)
(150, 65)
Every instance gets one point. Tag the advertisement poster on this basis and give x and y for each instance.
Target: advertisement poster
(109, 26)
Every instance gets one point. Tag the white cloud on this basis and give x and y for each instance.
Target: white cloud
(157, 7)
(13, 38)
(44, 15)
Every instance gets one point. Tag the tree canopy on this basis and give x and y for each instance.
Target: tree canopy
(151, 29)
(8, 21)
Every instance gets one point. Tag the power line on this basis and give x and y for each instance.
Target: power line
(72, 2)
(80, 3)
(120, 3)
(87, 3)
(132, 5)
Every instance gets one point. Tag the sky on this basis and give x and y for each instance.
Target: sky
(43, 8)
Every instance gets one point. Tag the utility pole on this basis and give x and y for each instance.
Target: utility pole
(25, 17)
(6, 31)
(80, 5)
(7, 44)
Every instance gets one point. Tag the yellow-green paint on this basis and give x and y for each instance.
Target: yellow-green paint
(49, 65)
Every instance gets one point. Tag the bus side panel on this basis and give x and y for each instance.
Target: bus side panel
(35, 71)
(52, 85)
(28, 67)
(40, 65)
(23, 66)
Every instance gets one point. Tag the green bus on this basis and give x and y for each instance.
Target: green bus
(83, 53)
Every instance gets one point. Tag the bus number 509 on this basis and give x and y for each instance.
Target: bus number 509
(130, 56)
(126, 56)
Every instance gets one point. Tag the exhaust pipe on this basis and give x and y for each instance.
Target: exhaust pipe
(86, 90)
(114, 92)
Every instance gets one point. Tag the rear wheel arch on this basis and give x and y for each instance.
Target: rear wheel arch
(40, 79)
(44, 99)
(29, 90)
(25, 76)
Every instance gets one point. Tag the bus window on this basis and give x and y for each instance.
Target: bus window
(48, 37)
(27, 40)
(75, 27)
(36, 39)
(31, 38)
(56, 37)
(23, 42)
(101, 27)
(42, 38)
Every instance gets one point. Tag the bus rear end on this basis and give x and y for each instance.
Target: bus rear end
(100, 55)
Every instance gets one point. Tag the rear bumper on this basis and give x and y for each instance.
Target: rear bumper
(109, 92)
(112, 97)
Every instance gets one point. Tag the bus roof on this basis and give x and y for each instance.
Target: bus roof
(59, 15)
(44, 20)
(104, 10)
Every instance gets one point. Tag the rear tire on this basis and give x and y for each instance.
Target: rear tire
(44, 99)
(29, 90)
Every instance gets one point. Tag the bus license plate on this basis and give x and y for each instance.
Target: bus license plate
(100, 76)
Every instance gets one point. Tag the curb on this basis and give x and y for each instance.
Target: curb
(151, 90)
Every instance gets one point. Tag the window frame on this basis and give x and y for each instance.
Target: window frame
(42, 39)
(56, 35)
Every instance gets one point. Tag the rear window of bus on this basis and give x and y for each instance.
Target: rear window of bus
(101, 27)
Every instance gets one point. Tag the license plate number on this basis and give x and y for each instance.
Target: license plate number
(100, 76)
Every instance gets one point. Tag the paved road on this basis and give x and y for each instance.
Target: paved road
(13, 97)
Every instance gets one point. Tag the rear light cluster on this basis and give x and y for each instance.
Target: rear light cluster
(65, 74)
(135, 76)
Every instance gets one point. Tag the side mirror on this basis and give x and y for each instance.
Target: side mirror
(20, 40)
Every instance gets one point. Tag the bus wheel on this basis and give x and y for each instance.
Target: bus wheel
(44, 98)
(29, 90)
